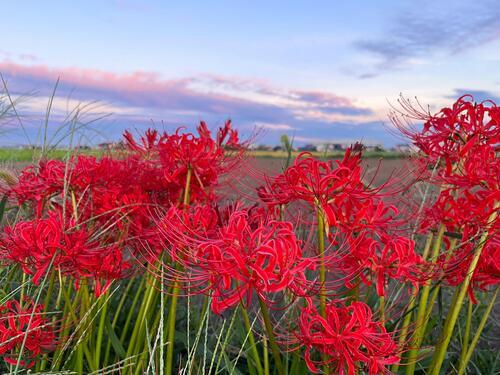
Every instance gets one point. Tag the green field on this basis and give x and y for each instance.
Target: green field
(328, 155)
(27, 155)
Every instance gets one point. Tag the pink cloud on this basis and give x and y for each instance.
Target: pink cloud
(250, 100)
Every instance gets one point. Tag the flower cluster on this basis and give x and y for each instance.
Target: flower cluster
(346, 340)
(248, 253)
(24, 327)
(460, 144)
(93, 215)
(315, 241)
(354, 212)
(40, 244)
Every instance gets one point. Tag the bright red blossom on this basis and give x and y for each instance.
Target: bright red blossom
(243, 256)
(327, 186)
(347, 337)
(39, 244)
(18, 322)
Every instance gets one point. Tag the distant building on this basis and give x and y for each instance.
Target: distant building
(111, 145)
(375, 148)
(263, 148)
(105, 145)
(328, 147)
(309, 147)
(403, 147)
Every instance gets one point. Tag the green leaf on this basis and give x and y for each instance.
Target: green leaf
(3, 203)
(115, 342)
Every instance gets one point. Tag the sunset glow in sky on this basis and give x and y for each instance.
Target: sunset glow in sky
(320, 71)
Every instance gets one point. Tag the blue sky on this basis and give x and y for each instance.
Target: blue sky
(320, 71)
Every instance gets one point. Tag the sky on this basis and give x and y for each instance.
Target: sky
(319, 71)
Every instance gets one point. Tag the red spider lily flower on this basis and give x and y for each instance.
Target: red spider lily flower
(467, 213)
(39, 183)
(454, 267)
(346, 340)
(242, 257)
(205, 157)
(183, 227)
(452, 132)
(369, 214)
(324, 185)
(488, 270)
(377, 259)
(39, 244)
(19, 322)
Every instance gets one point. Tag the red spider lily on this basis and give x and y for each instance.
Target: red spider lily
(452, 132)
(454, 267)
(39, 244)
(462, 141)
(182, 228)
(369, 214)
(381, 258)
(241, 257)
(19, 322)
(154, 172)
(37, 184)
(176, 153)
(333, 187)
(116, 192)
(346, 340)
(321, 184)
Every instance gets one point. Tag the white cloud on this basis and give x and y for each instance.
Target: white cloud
(266, 125)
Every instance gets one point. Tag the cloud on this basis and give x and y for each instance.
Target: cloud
(479, 95)
(138, 98)
(278, 127)
(431, 30)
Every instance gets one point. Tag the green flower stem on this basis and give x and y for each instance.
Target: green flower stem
(46, 301)
(251, 339)
(23, 286)
(479, 330)
(171, 328)
(132, 310)
(404, 328)
(266, 356)
(116, 313)
(466, 338)
(225, 343)
(272, 340)
(411, 306)
(451, 319)
(418, 335)
(322, 269)
(139, 369)
(66, 318)
(142, 316)
(382, 309)
(103, 306)
(70, 308)
(175, 294)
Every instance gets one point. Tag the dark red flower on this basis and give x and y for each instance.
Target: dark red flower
(241, 257)
(327, 186)
(172, 155)
(453, 131)
(346, 341)
(380, 258)
(40, 244)
(19, 323)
